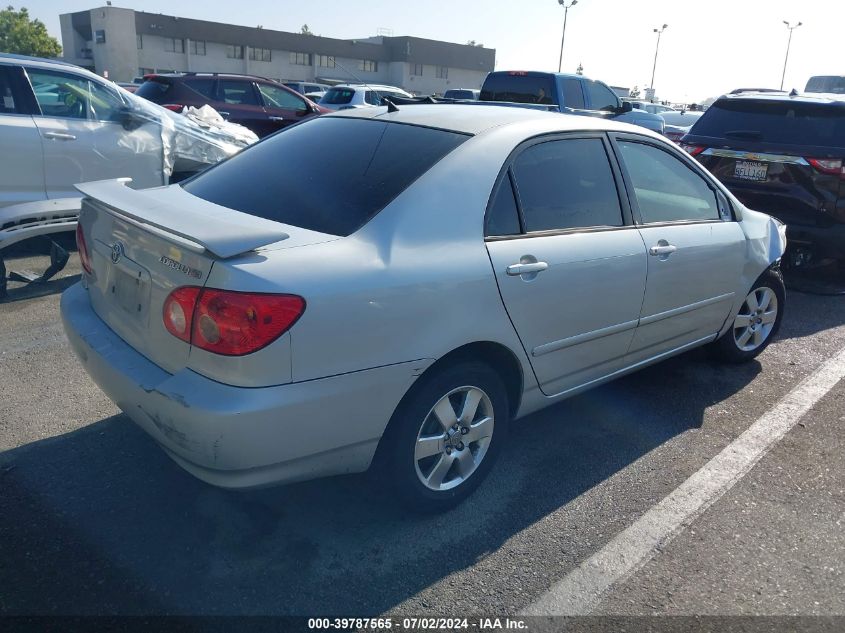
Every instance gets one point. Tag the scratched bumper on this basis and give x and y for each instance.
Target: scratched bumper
(237, 437)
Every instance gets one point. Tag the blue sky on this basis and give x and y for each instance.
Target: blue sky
(710, 47)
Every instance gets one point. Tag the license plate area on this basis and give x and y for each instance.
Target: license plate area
(129, 289)
(751, 170)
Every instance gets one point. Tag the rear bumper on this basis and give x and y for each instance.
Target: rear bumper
(825, 242)
(237, 437)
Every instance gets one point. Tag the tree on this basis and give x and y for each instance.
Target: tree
(20, 35)
(305, 30)
(580, 69)
(635, 92)
(474, 43)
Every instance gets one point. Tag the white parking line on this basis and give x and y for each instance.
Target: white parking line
(583, 588)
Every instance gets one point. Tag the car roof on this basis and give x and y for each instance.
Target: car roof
(803, 97)
(479, 118)
(29, 58)
(369, 86)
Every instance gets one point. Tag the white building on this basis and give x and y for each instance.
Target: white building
(123, 44)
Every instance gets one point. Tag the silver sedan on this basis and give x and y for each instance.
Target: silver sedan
(394, 288)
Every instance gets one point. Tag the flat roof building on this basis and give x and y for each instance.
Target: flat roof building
(123, 44)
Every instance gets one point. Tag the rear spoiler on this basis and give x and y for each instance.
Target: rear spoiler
(173, 212)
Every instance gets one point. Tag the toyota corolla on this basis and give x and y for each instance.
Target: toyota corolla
(393, 287)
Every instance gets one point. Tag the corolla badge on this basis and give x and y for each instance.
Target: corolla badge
(180, 267)
(117, 252)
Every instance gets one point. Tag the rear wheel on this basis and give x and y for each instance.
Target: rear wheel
(757, 321)
(443, 439)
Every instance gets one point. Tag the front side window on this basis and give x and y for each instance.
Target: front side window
(602, 97)
(275, 97)
(573, 94)
(338, 172)
(71, 97)
(238, 92)
(566, 184)
(666, 189)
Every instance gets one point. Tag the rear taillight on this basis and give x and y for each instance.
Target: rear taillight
(834, 167)
(173, 107)
(692, 150)
(227, 322)
(82, 248)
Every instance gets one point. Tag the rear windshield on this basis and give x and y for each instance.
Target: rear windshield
(338, 96)
(328, 174)
(785, 122)
(518, 89)
(832, 84)
(153, 89)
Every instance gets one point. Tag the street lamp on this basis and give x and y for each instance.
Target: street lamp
(566, 8)
(656, 48)
(788, 43)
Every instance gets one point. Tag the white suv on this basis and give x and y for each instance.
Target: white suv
(348, 96)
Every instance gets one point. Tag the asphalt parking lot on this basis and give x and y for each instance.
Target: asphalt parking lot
(95, 519)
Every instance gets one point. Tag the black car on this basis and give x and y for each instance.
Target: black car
(262, 105)
(782, 154)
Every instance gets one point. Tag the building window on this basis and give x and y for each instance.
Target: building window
(174, 45)
(442, 72)
(300, 59)
(197, 47)
(326, 61)
(368, 66)
(100, 37)
(139, 41)
(417, 70)
(260, 54)
(234, 52)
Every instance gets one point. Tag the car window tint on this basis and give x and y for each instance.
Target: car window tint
(519, 88)
(7, 98)
(69, 96)
(275, 97)
(338, 172)
(775, 121)
(238, 92)
(666, 189)
(373, 98)
(202, 85)
(601, 97)
(566, 184)
(573, 94)
(502, 216)
(338, 96)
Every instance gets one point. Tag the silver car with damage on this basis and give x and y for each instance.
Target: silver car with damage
(409, 283)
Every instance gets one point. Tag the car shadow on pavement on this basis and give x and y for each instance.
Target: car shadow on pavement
(100, 521)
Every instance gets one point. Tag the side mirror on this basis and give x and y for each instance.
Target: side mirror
(129, 119)
(626, 107)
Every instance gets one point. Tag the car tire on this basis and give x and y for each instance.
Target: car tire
(432, 466)
(757, 321)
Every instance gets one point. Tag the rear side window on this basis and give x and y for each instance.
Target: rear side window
(518, 88)
(338, 173)
(202, 85)
(338, 96)
(153, 90)
(7, 98)
(786, 122)
(503, 216)
(573, 94)
(566, 184)
(666, 189)
(238, 92)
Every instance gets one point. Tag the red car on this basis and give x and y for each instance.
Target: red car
(262, 105)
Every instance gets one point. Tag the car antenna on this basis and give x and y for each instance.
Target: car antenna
(366, 85)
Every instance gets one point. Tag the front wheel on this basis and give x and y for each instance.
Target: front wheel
(443, 439)
(757, 321)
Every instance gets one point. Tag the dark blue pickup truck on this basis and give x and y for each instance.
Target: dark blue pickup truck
(570, 93)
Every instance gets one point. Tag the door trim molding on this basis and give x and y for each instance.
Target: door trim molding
(654, 318)
(554, 346)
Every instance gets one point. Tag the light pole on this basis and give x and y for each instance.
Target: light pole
(788, 43)
(656, 48)
(566, 8)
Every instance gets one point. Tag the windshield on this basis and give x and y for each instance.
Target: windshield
(338, 96)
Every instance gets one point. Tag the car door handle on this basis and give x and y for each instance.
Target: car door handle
(662, 249)
(523, 269)
(277, 118)
(59, 136)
